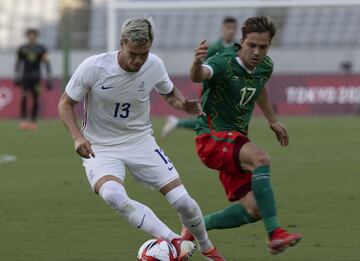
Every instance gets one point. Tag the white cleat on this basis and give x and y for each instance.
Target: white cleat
(170, 125)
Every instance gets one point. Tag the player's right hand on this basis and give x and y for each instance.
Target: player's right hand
(201, 52)
(83, 148)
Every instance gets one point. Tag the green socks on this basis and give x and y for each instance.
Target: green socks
(230, 217)
(236, 215)
(264, 196)
(189, 123)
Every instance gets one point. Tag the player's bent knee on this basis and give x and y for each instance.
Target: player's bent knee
(104, 180)
(254, 212)
(261, 158)
(181, 200)
(115, 195)
(185, 205)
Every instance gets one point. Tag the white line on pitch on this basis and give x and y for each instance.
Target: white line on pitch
(4, 158)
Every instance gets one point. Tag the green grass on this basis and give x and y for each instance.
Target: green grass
(48, 212)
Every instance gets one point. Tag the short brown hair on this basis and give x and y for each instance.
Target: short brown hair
(230, 19)
(258, 24)
(31, 31)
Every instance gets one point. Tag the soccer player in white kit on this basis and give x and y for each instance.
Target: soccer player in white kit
(117, 132)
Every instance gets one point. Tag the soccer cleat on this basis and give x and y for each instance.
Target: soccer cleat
(170, 125)
(23, 125)
(186, 234)
(213, 255)
(184, 248)
(280, 240)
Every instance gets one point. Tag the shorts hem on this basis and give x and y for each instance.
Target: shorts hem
(93, 184)
(240, 192)
(166, 182)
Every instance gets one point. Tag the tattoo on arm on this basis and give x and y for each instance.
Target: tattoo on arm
(170, 96)
(175, 99)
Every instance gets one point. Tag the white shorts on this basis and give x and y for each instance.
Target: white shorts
(143, 157)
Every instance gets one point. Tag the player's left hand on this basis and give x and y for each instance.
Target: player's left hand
(193, 107)
(280, 132)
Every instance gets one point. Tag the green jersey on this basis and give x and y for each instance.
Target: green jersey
(218, 47)
(228, 97)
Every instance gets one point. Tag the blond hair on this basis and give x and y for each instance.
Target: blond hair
(139, 31)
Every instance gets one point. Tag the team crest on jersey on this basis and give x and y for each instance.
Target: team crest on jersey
(141, 87)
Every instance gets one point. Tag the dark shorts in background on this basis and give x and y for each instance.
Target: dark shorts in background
(32, 85)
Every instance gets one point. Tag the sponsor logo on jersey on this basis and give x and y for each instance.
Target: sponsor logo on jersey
(107, 87)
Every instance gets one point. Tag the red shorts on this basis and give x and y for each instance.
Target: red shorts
(220, 151)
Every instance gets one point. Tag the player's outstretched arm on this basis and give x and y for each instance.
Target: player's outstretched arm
(45, 60)
(265, 106)
(18, 65)
(177, 100)
(199, 73)
(67, 115)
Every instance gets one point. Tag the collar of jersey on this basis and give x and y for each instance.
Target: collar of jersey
(243, 66)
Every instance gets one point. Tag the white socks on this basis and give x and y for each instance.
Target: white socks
(134, 212)
(142, 217)
(190, 215)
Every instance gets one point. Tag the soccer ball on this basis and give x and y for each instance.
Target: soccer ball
(157, 250)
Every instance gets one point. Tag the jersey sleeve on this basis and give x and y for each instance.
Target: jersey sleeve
(18, 63)
(82, 80)
(217, 66)
(20, 53)
(164, 85)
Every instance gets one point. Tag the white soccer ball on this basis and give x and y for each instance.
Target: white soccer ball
(157, 250)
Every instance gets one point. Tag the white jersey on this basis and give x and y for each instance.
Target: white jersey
(117, 103)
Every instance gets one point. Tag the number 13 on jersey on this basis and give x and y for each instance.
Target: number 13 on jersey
(122, 110)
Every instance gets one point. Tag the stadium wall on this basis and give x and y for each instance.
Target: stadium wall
(294, 61)
(290, 94)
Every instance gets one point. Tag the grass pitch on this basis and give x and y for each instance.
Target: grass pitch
(48, 212)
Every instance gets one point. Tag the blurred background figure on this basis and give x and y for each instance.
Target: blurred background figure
(30, 56)
(228, 32)
(227, 39)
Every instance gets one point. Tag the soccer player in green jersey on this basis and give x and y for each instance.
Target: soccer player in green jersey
(233, 81)
(227, 39)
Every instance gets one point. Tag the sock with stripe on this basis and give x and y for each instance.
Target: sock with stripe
(137, 214)
(264, 196)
